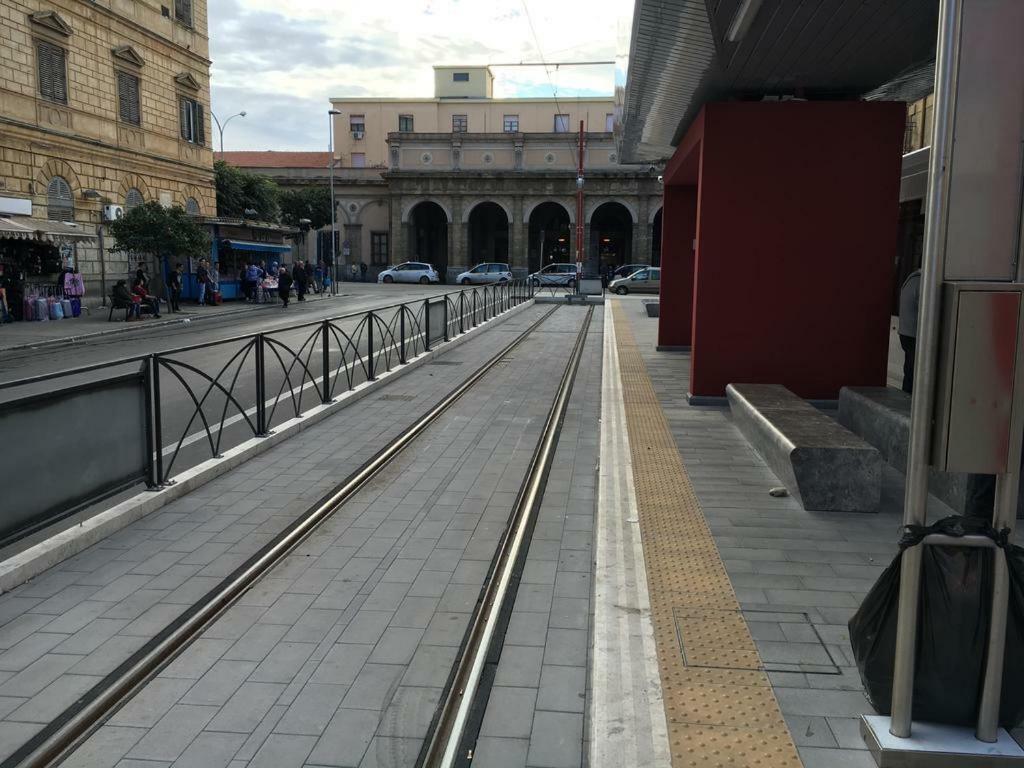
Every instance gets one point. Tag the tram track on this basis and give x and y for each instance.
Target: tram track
(59, 739)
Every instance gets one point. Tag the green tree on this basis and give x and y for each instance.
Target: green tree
(313, 203)
(238, 191)
(160, 232)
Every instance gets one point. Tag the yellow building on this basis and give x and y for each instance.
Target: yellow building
(462, 103)
(102, 103)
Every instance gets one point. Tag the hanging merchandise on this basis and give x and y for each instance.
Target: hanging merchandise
(953, 620)
(73, 285)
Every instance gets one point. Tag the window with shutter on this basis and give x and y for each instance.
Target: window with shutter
(60, 206)
(193, 124)
(133, 199)
(183, 11)
(53, 83)
(128, 98)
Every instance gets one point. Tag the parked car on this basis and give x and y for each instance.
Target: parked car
(409, 272)
(555, 274)
(488, 272)
(646, 280)
(628, 269)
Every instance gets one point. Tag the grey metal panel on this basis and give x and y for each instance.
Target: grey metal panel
(437, 321)
(985, 169)
(978, 371)
(680, 58)
(914, 175)
(65, 448)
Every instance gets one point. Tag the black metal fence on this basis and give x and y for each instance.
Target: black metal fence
(201, 400)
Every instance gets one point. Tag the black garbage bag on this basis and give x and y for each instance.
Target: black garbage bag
(952, 633)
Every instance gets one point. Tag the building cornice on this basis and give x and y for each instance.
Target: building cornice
(112, 148)
(153, 35)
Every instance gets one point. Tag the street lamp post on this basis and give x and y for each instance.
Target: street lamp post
(334, 237)
(221, 127)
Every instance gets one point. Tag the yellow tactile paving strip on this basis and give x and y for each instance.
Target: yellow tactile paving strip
(719, 704)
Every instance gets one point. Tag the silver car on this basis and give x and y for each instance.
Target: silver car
(488, 272)
(646, 280)
(555, 274)
(410, 272)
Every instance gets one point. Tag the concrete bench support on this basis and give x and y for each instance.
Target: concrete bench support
(822, 464)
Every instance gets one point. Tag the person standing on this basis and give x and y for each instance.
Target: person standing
(202, 279)
(175, 283)
(362, 271)
(284, 286)
(910, 300)
(355, 272)
(318, 277)
(300, 278)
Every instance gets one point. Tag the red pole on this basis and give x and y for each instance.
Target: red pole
(579, 203)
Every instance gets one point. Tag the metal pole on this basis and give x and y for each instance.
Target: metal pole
(261, 388)
(157, 425)
(369, 346)
(334, 234)
(325, 343)
(579, 208)
(922, 405)
(1003, 516)
(444, 317)
(426, 325)
(401, 326)
(152, 447)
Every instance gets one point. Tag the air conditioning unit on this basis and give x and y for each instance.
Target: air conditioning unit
(357, 134)
(113, 212)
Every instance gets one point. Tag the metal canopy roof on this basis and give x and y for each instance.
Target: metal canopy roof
(681, 57)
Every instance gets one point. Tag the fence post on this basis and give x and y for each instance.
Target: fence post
(401, 324)
(152, 447)
(444, 316)
(261, 388)
(426, 325)
(158, 428)
(472, 321)
(462, 311)
(325, 343)
(369, 347)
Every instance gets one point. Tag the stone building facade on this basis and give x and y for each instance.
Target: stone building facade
(102, 102)
(459, 199)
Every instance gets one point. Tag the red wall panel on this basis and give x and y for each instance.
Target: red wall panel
(678, 230)
(796, 231)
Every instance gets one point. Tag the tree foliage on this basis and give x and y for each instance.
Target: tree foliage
(313, 203)
(238, 191)
(153, 229)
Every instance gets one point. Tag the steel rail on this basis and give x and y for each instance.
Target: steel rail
(452, 739)
(73, 726)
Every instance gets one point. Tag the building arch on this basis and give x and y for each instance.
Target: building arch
(654, 213)
(60, 202)
(411, 203)
(194, 193)
(364, 207)
(488, 223)
(611, 235)
(51, 168)
(656, 224)
(133, 198)
(428, 223)
(595, 203)
(133, 181)
(467, 210)
(549, 232)
(528, 208)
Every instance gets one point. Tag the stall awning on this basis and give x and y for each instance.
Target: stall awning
(26, 228)
(248, 245)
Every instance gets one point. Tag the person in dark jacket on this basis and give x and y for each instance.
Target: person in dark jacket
(284, 286)
(175, 283)
(202, 279)
(139, 289)
(362, 270)
(124, 296)
(301, 279)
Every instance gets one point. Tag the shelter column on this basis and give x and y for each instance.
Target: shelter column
(678, 229)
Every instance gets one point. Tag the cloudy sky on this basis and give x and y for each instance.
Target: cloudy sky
(281, 66)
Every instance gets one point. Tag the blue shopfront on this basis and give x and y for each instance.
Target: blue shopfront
(234, 245)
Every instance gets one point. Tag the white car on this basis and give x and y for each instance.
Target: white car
(489, 272)
(555, 274)
(409, 272)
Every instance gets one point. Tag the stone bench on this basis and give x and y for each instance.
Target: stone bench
(821, 463)
(881, 415)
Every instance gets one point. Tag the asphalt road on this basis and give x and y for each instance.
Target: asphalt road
(291, 383)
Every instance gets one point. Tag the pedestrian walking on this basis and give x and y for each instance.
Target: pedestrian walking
(362, 270)
(910, 299)
(301, 279)
(203, 280)
(318, 277)
(355, 272)
(284, 286)
(175, 283)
